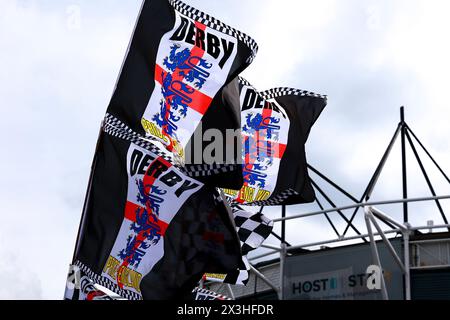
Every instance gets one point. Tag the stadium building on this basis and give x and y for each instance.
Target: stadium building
(388, 259)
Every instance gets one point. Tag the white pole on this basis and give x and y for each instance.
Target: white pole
(264, 279)
(375, 256)
(388, 244)
(407, 264)
(353, 206)
(282, 267)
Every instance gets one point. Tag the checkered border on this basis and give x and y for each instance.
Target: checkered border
(216, 296)
(282, 91)
(244, 82)
(107, 283)
(274, 201)
(255, 227)
(202, 170)
(122, 127)
(118, 129)
(279, 92)
(239, 276)
(217, 195)
(215, 24)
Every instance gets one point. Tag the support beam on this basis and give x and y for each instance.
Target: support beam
(334, 206)
(384, 217)
(279, 238)
(364, 204)
(320, 243)
(373, 181)
(427, 179)
(264, 279)
(387, 242)
(283, 253)
(375, 255)
(428, 154)
(283, 224)
(407, 265)
(328, 218)
(324, 177)
(263, 255)
(270, 246)
(230, 291)
(404, 173)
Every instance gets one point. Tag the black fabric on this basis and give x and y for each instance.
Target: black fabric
(301, 109)
(105, 202)
(136, 84)
(136, 80)
(303, 113)
(198, 240)
(223, 115)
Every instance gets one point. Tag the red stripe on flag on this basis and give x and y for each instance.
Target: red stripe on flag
(195, 51)
(214, 237)
(276, 149)
(281, 147)
(130, 214)
(200, 101)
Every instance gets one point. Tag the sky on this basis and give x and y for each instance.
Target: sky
(59, 62)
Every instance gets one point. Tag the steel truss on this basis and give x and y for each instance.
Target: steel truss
(372, 215)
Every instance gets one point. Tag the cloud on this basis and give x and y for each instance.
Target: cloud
(55, 85)
(60, 61)
(18, 282)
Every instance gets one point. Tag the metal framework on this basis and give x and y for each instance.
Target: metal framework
(372, 215)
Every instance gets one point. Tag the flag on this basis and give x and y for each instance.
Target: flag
(214, 151)
(148, 230)
(151, 227)
(178, 61)
(80, 287)
(275, 127)
(205, 294)
(252, 229)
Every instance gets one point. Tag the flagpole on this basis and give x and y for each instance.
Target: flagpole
(87, 196)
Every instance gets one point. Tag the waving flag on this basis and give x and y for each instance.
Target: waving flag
(178, 61)
(151, 226)
(80, 287)
(216, 159)
(204, 294)
(149, 231)
(253, 229)
(275, 126)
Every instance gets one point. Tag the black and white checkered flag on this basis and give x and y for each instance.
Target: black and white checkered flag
(252, 229)
(204, 294)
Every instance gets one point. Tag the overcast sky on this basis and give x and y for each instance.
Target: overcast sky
(59, 62)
